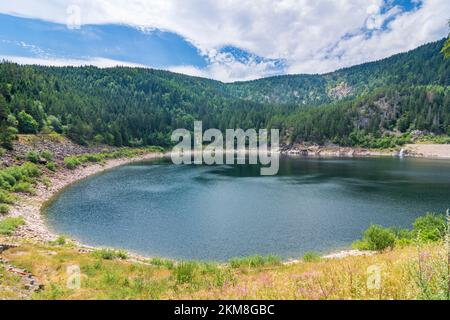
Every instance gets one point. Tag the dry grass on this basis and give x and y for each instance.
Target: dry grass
(402, 276)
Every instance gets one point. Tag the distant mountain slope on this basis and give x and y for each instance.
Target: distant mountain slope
(131, 106)
(422, 66)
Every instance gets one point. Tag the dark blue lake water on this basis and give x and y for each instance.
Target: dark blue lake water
(215, 213)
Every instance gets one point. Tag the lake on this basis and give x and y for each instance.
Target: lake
(159, 209)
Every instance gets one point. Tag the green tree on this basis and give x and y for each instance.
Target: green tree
(6, 133)
(446, 48)
(27, 124)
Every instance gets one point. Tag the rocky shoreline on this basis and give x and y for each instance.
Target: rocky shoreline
(30, 206)
(333, 151)
(431, 151)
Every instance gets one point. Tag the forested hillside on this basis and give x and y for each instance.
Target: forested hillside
(422, 66)
(374, 104)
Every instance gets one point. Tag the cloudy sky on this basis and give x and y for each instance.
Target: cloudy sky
(227, 40)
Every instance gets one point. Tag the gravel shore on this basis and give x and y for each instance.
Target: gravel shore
(436, 151)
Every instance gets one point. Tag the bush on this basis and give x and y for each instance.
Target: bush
(60, 241)
(403, 237)
(94, 157)
(47, 155)
(51, 166)
(431, 227)
(6, 197)
(24, 187)
(27, 124)
(30, 170)
(109, 254)
(158, 262)
(7, 180)
(71, 162)
(255, 261)
(311, 257)
(9, 225)
(122, 254)
(47, 182)
(376, 238)
(4, 209)
(33, 157)
(184, 271)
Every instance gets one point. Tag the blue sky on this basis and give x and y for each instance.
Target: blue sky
(226, 40)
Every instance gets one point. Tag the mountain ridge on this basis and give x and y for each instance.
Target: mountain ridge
(134, 106)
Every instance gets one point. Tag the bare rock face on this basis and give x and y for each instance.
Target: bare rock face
(340, 91)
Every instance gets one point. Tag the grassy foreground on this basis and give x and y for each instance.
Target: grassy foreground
(409, 272)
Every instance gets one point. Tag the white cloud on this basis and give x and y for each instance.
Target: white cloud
(227, 72)
(225, 67)
(311, 36)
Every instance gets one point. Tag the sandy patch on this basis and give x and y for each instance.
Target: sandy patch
(440, 151)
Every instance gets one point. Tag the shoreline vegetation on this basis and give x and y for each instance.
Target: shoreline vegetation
(27, 246)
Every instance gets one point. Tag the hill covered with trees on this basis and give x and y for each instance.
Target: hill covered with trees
(422, 66)
(375, 104)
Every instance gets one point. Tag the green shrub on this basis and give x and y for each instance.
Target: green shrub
(122, 254)
(403, 237)
(441, 139)
(109, 254)
(431, 227)
(24, 187)
(33, 157)
(51, 166)
(376, 238)
(6, 197)
(94, 157)
(7, 180)
(71, 162)
(311, 257)
(184, 271)
(9, 225)
(428, 228)
(47, 155)
(47, 182)
(29, 170)
(255, 261)
(27, 124)
(60, 241)
(4, 209)
(158, 262)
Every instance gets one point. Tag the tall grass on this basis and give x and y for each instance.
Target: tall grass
(255, 261)
(432, 269)
(9, 225)
(110, 254)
